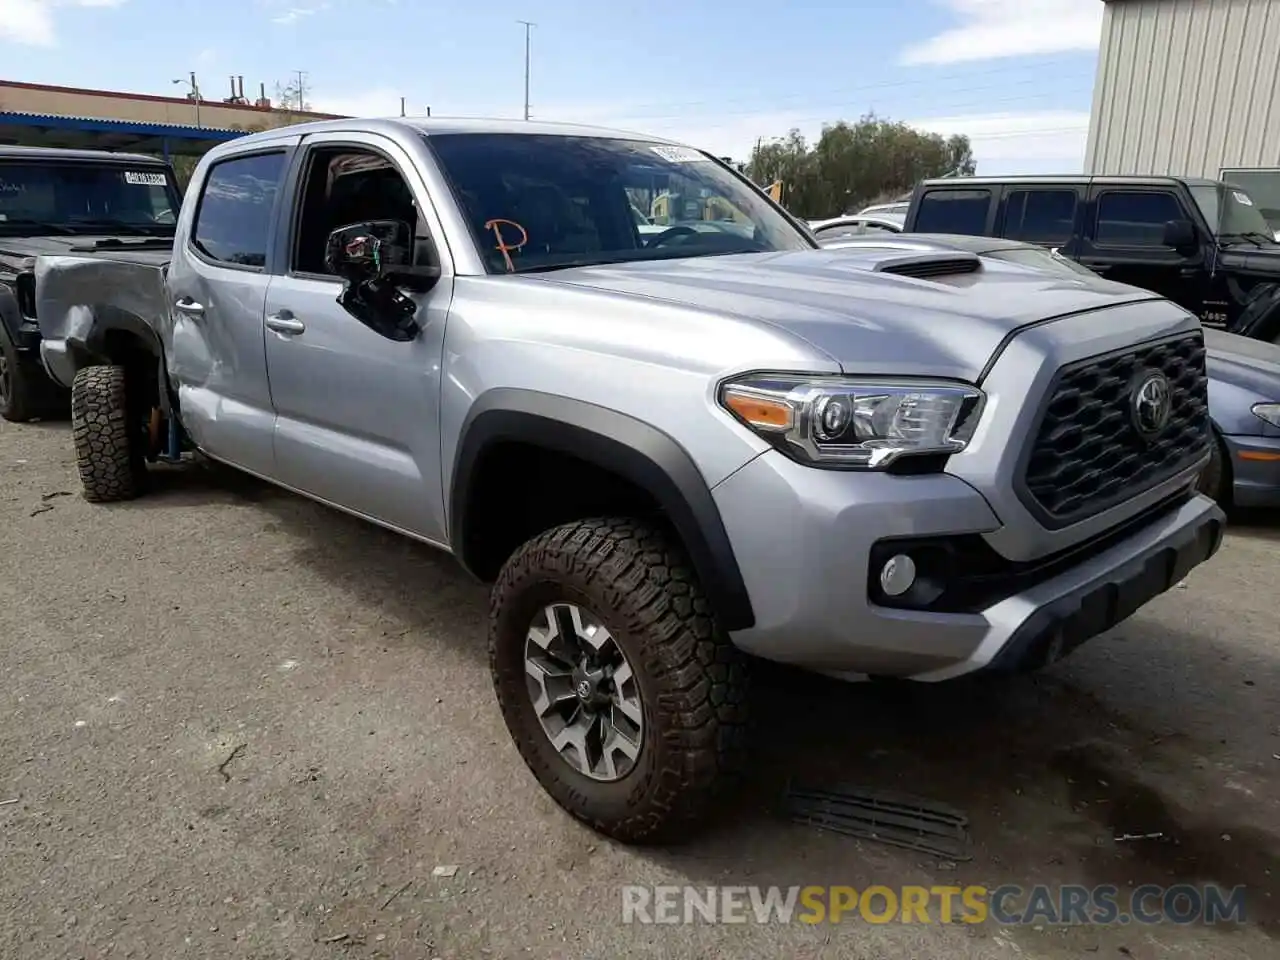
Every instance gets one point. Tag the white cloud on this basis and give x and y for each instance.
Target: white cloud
(31, 22)
(383, 102)
(291, 13)
(989, 29)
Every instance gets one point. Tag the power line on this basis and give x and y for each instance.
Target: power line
(935, 105)
(937, 81)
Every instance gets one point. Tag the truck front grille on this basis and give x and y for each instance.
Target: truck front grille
(1088, 453)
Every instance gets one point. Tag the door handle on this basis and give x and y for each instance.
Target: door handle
(188, 306)
(285, 322)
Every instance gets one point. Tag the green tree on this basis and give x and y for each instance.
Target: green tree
(853, 164)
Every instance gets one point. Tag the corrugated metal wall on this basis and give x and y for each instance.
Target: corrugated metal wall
(1186, 87)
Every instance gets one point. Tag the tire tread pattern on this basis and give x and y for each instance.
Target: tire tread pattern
(648, 590)
(108, 466)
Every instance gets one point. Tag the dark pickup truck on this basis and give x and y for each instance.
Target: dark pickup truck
(78, 202)
(1201, 243)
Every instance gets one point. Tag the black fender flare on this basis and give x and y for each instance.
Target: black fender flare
(623, 445)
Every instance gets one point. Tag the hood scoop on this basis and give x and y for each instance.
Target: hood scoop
(930, 266)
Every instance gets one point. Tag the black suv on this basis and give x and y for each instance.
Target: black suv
(75, 202)
(1202, 243)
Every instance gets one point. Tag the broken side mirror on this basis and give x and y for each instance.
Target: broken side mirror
(375, 257)
(363, 252)
(1180, 234)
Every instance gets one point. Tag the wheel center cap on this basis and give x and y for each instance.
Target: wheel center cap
(588, 687)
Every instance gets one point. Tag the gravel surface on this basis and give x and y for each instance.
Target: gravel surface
(238, 724)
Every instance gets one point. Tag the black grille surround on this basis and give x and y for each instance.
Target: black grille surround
(1087, 454)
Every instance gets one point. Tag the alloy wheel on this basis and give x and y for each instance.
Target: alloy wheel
(584, 692)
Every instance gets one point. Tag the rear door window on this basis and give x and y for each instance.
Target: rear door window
(954, 211)
(1135, 219)
(233, 221)
(1040, 216)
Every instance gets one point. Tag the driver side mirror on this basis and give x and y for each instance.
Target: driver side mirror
(1180, 234)
(363, 252)
(374, 258)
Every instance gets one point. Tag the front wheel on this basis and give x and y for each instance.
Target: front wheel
(26, 392)
(623, 697)
(109, 451)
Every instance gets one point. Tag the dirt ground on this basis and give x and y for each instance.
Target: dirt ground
(240, 725)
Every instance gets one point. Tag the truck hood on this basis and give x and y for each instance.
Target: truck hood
(867, 321)
(18, 254)
(1251, 365)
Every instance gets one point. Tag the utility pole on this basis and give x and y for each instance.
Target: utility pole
(195, 93)
(302, 88)
(527, 27)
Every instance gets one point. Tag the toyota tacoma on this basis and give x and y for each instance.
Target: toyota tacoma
(669, 452)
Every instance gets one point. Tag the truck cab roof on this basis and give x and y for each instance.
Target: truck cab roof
(961, 183)
(430, 126)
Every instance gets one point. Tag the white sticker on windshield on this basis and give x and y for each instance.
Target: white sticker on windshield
(678, 154)
(145, 179)
(1242, 198)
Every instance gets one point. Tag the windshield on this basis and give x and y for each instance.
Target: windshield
(85, 198)
(1231, 212)
(540, 202)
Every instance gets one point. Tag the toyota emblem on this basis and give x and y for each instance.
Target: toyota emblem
(1152, 404)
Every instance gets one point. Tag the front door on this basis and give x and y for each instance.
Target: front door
(357, 412)
(1124, 242)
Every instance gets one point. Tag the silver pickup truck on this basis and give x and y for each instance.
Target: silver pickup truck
(670, 452)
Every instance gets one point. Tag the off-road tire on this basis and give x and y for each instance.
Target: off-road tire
(693, 681)
(1214, 480)
(111, 465)
(28, 393)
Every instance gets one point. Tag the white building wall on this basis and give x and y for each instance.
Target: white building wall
(1186, 87)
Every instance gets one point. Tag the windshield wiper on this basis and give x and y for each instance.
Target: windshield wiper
(37, 225)
(567, 265)
(124, 226)
(1256, 237)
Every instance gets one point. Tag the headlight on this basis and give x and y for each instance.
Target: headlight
(855, 423)
(1270, 412)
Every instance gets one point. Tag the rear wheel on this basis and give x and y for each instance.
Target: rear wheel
(623, 697)
(107, 435)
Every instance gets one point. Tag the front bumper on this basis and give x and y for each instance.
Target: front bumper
(1255, 471)
(27, 336)
(803, 538)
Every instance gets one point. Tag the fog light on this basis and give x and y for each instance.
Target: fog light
(897, 575)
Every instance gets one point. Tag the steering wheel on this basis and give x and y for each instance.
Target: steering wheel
(659, 239)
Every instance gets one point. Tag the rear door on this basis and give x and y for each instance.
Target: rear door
(1124, 241)
(217, 288)
(1048, 215)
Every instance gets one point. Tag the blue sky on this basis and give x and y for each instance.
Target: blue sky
(1015, 75)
